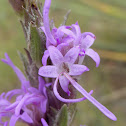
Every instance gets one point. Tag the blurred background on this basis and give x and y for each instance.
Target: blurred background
(107, 20)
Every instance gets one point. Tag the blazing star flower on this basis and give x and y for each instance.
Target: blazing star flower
(84, 40)
(27, 97)
(66, 48)
(64, 67)
(64, 56)
(63, 64)
(4, 113)
(66, 37)
(24, 83)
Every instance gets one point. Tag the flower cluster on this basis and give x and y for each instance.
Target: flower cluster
(66, 48)
(30, 103)
(62, 63)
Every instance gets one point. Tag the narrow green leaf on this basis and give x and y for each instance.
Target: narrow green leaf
(35, 47)
(62, 116)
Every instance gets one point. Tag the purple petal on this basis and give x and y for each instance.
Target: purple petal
(68, 32)
(87, 42)
(63, 47)
(33, 90)
(10, 94)
(13, 120)
(66, 100)
(48, 71)
(64, 82)
(16, 70)
(34, 99)
(43, 105)
(67, 40)
(42, 85)
(2, 95)
(76, 69)
(88, 33)
(81, 59)
(4, 102)
(12, 106)
(21, 104)
(102, 108)
(72, 55)
(78, 33)
(55, 55)
(44, 123)
(5, 124)
(45, 57)
(46, 21)
(94, 55)
(59, 31)
(26, 118)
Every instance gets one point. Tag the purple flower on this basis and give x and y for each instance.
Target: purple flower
(62, 68)
(66, 37)
(63, 64)
(30, 104)
(84, 40)
(66, 49)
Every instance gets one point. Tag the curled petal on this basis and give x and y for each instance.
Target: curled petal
(64, 82)
(88, 33)
(55, 55)
(72, 55)
(42, 85)
(44, 123)
(21, 104)
(67, 40)
(94, 55)
(48, 71)
(2, 95)
(33, 90)
(78, 33)
(43, 105)
(12, 106)
(63, 47)
(87, 41)
(46, 21)
(5, 124)
(59, 31)
(45, 57)
(10, 94)
(13, 120)
(102, 108)
(26, 118)
(16, 70)
(66, 100)
(76, 69)
(68, 32)
(34, 99)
